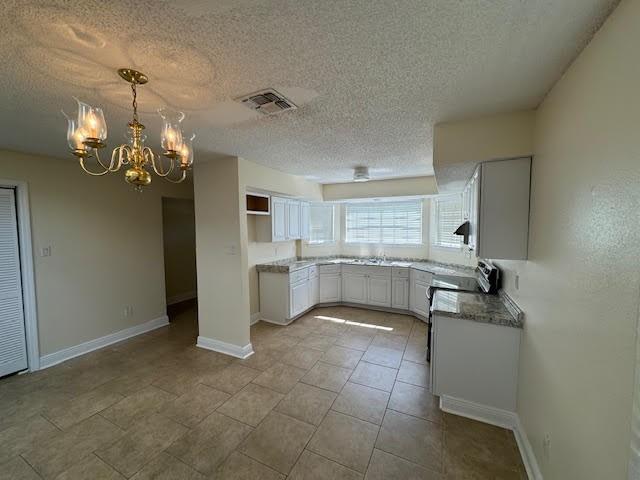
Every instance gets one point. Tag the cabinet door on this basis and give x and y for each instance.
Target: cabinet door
(354, 288)
(314, 291)
(474, 209)
(293, 218)
(278, 219)
(400, 293)
(304, 220)
(419, 299)
(330, 288)
(379, 291)
(299, 294)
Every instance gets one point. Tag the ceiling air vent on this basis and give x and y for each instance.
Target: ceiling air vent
(267, 102)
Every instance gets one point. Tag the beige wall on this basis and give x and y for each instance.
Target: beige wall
(223, 287)
(179, 240)
(459, 146)
(396, 187)
(106, 244)
(580, 287)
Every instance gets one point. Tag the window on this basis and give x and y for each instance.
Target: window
(321, 223)
(394, 223)
(447, 218)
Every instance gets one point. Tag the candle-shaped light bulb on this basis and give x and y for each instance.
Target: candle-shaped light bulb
(186, 152)
(92, 125)
(171, 138)
(75, 135)
(91, 121)
(78, 138)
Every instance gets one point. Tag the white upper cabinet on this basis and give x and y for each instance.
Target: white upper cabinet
(278, 219)
(304, 220)
(498, 198)
(288, 220)
(293, 219)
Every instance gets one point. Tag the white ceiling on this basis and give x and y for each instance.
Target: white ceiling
(370, 77)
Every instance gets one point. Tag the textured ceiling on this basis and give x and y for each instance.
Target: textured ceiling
(370, 77)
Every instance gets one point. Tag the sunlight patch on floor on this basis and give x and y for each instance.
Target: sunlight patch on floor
(349, 322)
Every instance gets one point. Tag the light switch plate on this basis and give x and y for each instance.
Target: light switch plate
(45, 251)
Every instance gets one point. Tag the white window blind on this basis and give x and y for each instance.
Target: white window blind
(321, 223)
(447, 218)
(394, 223)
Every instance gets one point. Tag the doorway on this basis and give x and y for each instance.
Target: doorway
(179, 238)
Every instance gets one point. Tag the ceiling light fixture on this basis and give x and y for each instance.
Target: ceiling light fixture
(361, 174)
(88, 134)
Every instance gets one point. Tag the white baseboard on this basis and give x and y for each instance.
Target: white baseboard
(526, 452)
(476, 411)
(224, 347)
(60, 356)
(182, 297)
(500, 418)
(255, 318)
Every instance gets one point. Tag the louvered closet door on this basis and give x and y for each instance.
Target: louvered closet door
(13, 347)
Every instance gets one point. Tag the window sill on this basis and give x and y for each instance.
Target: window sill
(392, 245)
(447, 249)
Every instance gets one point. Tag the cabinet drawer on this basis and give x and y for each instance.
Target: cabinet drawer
(298, 276)
(330, 269)
(313, 271)
(400, 272)
(421, 276)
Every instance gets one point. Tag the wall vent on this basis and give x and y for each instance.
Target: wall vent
(267, 102)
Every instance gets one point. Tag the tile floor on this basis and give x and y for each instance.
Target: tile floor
(342, 393)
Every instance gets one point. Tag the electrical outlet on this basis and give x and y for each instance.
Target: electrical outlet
(45, 251)
(517, 282)
(546, 447)
(128, 311)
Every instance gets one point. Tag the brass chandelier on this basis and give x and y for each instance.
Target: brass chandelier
(87, 135)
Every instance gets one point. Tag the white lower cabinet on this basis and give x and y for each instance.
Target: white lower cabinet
(299, 297)
(379, 290)
(475, 362)
(354, 288)
(400, 293)
(330, 287)
(284, 296)
(368, 285)
(419, 285)
(314, 289)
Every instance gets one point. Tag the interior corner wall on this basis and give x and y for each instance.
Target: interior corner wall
(253, 176)
(221, 252)
(106, 248)
(580, 287)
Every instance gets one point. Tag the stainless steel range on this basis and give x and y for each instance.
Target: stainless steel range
(486, 280)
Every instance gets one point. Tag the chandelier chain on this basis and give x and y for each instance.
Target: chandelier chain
(134, 102)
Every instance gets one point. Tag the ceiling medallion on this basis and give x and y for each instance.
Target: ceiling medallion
(88, 134)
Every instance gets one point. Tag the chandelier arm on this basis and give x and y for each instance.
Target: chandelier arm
(95, 174)
(116, 163)
(109, 167)
(158, 172)
(179, 180)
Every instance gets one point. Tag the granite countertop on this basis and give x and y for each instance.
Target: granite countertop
(478, 307)
(293, 264)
